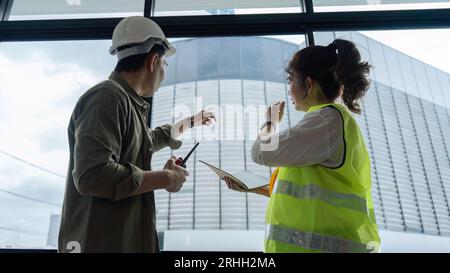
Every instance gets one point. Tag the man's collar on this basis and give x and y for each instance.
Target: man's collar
(115, 76)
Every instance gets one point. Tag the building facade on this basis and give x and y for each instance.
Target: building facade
(405, 122)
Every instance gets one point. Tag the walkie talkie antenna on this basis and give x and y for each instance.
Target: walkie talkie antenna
(189, 154)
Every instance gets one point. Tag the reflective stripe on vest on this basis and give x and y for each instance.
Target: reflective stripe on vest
(311, 191)
(312, 240)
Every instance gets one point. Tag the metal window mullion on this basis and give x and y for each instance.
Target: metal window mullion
(149, 8)
(169, 199)
(220, 130)
(287, 89)
(195, 140)
(241, 63)
(266, 101)
(310, 37)
(5, 9)
(307, 7)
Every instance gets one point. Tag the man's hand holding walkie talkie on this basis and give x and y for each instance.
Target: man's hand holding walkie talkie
(177, 169)
(177, 175)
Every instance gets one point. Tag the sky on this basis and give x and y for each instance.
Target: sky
(41, 82)
(428, 45)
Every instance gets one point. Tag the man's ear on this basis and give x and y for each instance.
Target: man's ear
(152, 62)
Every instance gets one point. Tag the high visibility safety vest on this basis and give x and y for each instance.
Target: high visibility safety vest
(322, 209)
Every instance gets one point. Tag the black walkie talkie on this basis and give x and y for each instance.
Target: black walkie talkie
(182, 162)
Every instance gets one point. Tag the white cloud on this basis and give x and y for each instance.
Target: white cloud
(31, 104)
(37, 96)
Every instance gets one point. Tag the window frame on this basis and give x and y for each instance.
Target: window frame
(306, 22)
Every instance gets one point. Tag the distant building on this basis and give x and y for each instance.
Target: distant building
(404, 122)
(53, 230)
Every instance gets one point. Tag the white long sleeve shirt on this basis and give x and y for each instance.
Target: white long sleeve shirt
(316, 139)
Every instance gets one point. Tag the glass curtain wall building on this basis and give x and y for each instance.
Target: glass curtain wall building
(405, 122)
(406, 127)
(229, 72)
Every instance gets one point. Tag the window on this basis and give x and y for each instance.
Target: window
(66, 9)
(370, 5)
(42, 81)
(205, 7)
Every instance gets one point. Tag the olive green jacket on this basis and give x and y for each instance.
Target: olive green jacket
(110, 148)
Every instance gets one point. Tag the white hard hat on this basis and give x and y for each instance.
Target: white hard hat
(140, 34)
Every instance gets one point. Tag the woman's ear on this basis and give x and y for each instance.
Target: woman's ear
(309, 84)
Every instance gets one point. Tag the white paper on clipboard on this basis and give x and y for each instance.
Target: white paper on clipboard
(245, 179)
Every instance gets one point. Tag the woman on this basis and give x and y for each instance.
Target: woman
(321, 198)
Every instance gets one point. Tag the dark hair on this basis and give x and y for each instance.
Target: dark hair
(135, 62)
(335, 66)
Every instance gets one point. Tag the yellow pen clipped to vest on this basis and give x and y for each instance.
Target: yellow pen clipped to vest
(273, 178)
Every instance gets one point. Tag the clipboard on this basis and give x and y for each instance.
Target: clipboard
(246, 179)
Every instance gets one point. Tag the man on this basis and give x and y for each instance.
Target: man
(109, 201)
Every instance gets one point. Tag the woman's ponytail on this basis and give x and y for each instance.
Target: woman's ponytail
(351, 73)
